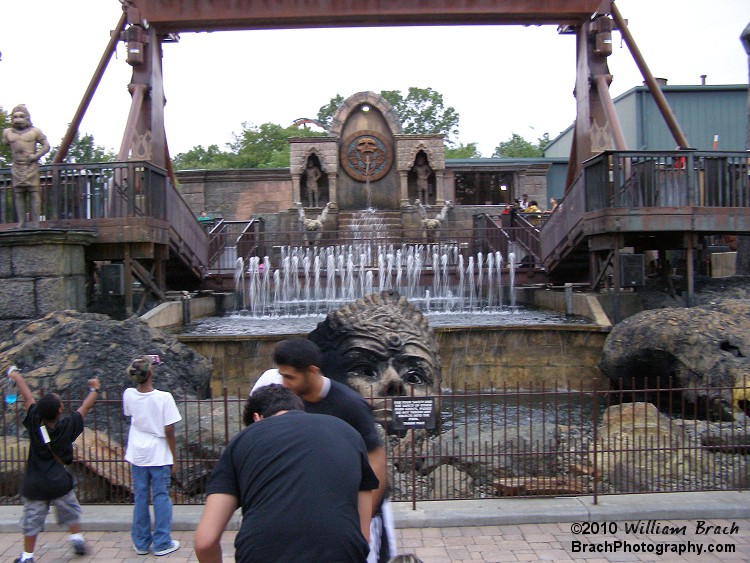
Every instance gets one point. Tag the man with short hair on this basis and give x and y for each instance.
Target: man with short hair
(46, 480)
(303, 481)
(298, 361)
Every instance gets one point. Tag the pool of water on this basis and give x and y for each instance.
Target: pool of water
(240, 324)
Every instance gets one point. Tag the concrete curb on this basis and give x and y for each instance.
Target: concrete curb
(724, 505)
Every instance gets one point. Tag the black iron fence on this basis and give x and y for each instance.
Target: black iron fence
(495, 442)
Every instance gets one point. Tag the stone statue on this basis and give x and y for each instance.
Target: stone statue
(423, 171)
(312, 175)
(313, 227)
(27, 145)
(381, 346)
(431, 227)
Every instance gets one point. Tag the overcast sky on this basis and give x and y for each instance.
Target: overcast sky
(500, 79)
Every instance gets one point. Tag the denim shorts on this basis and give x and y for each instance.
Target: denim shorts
(67, 512)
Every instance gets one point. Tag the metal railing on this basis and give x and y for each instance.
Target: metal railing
(93, 191)
(501, 232)
(635, 180)
(230, 240)
(667, 179)
(508, 441)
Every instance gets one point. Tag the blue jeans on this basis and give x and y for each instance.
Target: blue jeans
(156, 481)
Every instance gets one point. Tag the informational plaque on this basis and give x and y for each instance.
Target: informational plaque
(413, 412)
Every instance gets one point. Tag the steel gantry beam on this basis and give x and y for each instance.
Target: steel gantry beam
(216, 15)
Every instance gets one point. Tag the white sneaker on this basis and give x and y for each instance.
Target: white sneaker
(140, 551)
(174, 547)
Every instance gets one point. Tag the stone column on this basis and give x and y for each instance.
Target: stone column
(42, 271)
(296, 192)
(440, 187)
(332, 197)
(404, 179)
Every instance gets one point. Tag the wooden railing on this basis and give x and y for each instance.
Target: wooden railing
(82, 195)
(187, 238)
(93, 191)
(667, 179)
(639, 180)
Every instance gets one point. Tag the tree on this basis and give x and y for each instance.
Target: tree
(199, 158)
(421, 112)
(265, 146)
(83, 149)
(518, 147)
(326, 112)
(463, 151)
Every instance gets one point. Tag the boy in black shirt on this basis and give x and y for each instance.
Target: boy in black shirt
(46, 480)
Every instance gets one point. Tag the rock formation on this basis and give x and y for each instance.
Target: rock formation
(62, 350)
(705, 350)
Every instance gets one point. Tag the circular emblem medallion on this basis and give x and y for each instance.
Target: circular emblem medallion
(366, 155)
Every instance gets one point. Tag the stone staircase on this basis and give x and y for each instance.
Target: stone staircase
(371, 226)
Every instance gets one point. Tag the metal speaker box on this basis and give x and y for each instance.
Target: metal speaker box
(111, 279)
(632, 270)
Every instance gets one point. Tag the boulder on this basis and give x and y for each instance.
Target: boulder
(62, 350)
(639, 449)
(529, 449)
(705, 350)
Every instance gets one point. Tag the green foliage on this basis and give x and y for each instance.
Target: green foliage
(463, 151)
(83, 149)
(518, 147)
(326, 112)
(265, 146)
(421, 112)
(4, 149)
(199, 158)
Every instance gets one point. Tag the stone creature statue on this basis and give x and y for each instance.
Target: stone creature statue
(27, 145)
(313, 228)
(431, 227)
(381, 346)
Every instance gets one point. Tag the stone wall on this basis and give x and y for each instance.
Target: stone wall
(42, 271)
(533, 181)
(529, 356)
(237, 194)
(473, 356)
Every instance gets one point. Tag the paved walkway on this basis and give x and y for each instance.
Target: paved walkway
(702, 527)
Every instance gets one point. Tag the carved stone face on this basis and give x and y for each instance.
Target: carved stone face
(20, 119)
(382, 347)
(367, 147)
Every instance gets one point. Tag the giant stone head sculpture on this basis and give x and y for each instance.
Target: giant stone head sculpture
(382, 347)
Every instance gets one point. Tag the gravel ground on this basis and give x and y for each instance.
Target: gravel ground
(656, 295)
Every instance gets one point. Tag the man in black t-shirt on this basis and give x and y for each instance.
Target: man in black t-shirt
(298, 360)
(303, 482)
(46, 480)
